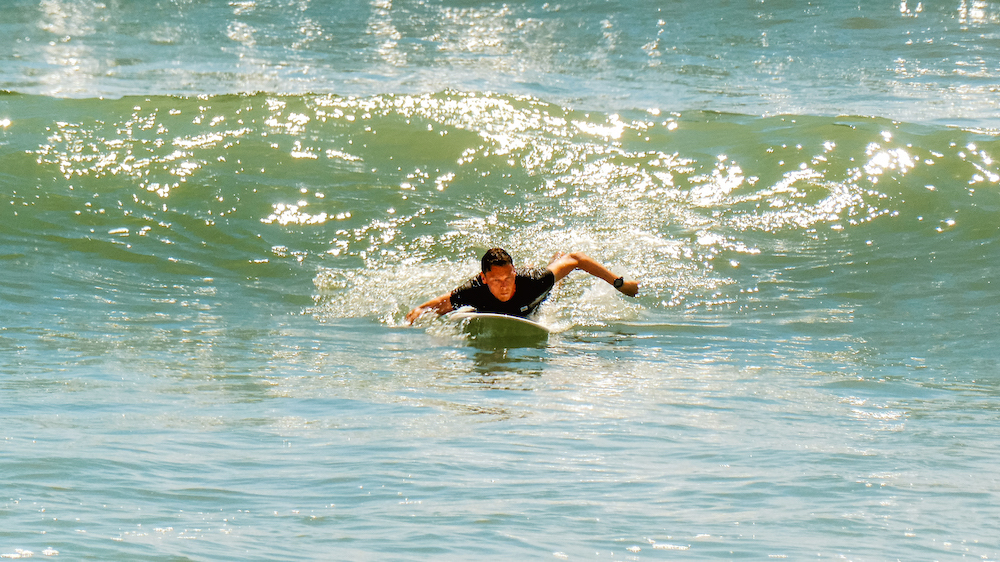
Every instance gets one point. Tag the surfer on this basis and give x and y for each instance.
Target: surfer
(501, 289)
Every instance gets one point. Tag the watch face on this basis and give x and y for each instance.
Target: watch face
(619, 282)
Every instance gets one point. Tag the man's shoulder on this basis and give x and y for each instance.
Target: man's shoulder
(472, 285)
(535, 273)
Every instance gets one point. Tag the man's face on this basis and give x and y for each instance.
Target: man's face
(500, 280)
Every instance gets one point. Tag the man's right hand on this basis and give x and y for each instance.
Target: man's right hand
(440, 305)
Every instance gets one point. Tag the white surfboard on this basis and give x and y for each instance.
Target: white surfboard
(485, 324)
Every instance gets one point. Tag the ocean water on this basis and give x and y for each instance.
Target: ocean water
(214, 217)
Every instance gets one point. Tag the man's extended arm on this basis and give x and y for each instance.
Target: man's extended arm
(564, 264)
(440, 305)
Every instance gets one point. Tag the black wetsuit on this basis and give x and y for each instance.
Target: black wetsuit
(531, 286)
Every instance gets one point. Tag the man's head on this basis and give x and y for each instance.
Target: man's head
(496, 256)
(498, 273)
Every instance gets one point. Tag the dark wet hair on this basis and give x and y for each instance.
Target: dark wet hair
(496, 256)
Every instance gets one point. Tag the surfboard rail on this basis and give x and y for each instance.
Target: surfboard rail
(499, 326)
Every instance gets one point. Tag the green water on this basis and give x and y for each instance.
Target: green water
(203, 303)
(214, 217)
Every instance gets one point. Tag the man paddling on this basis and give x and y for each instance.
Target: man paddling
(501, 289)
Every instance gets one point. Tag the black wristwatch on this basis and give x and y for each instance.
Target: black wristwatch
(619, 282)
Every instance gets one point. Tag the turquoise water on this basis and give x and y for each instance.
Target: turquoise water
(214, 218)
